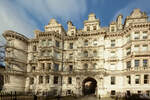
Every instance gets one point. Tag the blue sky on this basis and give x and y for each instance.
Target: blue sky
(24, 16)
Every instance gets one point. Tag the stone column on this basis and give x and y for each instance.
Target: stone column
(44, 79)
(27, 86)
(132, 79)
(142, 79)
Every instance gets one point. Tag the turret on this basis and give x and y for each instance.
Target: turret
(119, 22)
(92, 23)
(71, 28)
(69, 25)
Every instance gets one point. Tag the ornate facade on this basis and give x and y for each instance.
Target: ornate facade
(116, 58)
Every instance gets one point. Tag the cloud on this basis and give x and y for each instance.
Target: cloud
(142, 4)
(24, 16)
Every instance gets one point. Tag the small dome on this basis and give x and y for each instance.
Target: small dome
(91, 16)
(53, 21)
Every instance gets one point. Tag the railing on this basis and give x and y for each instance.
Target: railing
(141, 53)
(88, 57)
(28, 96)
(142, 68)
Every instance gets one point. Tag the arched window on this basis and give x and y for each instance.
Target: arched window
(86, 43)
(94, 27)
(94, 53)
(85, 53)
(85, 66)
(112, 29)
(95, 42)
(88, 28)
(42, 53)
(34, 48)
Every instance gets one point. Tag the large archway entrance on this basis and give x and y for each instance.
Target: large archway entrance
(89, 86)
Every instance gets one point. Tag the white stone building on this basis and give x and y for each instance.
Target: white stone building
(116, 59)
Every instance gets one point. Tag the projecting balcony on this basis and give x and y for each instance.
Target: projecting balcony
(138, 69)
(9, 58)
(69, 59)
(9, 45)
(89, 71)
(141, 53)
(89, 58)
(45, 57)
(112, 59)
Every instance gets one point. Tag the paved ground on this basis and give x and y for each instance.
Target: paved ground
(90, 97)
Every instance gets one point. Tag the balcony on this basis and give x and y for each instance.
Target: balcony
(138, 69)
(141, 53)
(9, 45)
(45, 57)
(90, 71)
(88, 58)
(113, 59)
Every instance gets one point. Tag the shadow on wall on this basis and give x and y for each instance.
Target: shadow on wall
(131, 97)
(1, 82)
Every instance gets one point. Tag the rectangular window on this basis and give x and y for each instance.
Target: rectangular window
(113, 92)
(42, 53)
(46, 79)
(148, 92)
(145, 35)
(48, 66)
(112, 29)
(94, 27)
(145, 62)
(56, 67)
(129, 79)
(136, 63)
(31, 80)
(69, 80)
(139, 92)
(40, 79)
(88, 28)
(112, 43)
(7, 79)
(128, 50)
(70, 67)
(70, 55)
(43, 43)
(68, 92)
(112, 53)
(112, 80)
(57, 44)
(136, 48)
(55, 79)
(49, 42)
(145, 47)
(137, 35)
(128, 38)
(128, 93)
(146, 77)
(33, 68)
(137, 79)
(72, 32)
(43, 66)
(34, 48)
(128, 64)
(49, 53)
(71, 46)
(57, 55)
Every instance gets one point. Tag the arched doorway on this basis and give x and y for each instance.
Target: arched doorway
(89, 86)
